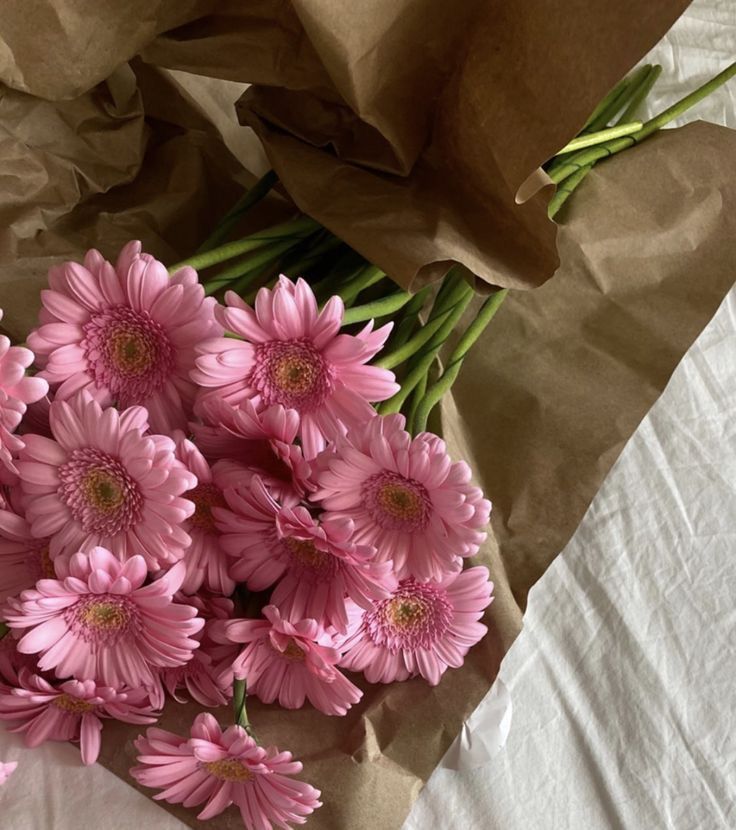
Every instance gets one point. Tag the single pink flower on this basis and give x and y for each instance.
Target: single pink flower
(24, 559)
(126, 334)
(224, 767)
(254, 442)
(291, 662)
(7, 768)
(206, 562)
(405, 496)
(97, 622)
(292, 354)
(70, 712)
(103, 482)
(17, 390)
(423, 629)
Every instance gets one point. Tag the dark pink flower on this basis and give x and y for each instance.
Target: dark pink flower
(125, 334)
(293, 354)
(424, 628)
(71, 711)
(224, 767)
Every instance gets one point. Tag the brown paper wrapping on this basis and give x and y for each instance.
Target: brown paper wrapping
(564, 374)
(407, 126)
(541, 410)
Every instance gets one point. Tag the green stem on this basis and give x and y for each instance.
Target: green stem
(455, 362)
(240, 713)
(642, 88)
(312, 256)
(565, 188)
(367, 276)
(594, 154)
(613, 103)
(378, 308)
(419, 391)
(239, 209)
(3, 630)
(397, 356)
(591, 139)
(248, 268)
(295, 229)
(457, 300)
(409, 319)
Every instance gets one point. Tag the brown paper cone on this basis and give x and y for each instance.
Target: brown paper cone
(407, 126)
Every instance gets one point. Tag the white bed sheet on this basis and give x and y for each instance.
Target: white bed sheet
(622, 680)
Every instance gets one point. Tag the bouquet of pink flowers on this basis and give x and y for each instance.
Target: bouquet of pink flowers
(200, 498)
(213, 489)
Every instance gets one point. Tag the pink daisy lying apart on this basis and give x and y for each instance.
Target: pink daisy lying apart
(126, 334)
(70, 712)
(223, 768)
(103, 480)
(7, 768)
(98, 623)
(405, 496)
(293, 354)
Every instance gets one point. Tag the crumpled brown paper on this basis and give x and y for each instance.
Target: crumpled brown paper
(564, 374)
(543, 407)
(407, 126)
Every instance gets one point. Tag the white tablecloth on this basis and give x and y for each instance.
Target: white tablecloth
(622, 680)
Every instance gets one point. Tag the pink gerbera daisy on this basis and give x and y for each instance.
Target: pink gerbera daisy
(292, 354)
(70, 712)
(125, 334)
(318, 564)
(206, 562)
(291, 662)
(223, 768)
(24, 559)
(421, 630)
(406, 497)
(17, 390)
(103, 481)
(255, 442)
(99, 623)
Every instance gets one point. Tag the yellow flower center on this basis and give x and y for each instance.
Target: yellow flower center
(405, 612)
(73, 704)
(205, 497)
(295, 374)
(130, 352)
(103, 490)
(400, 502)
(229, 769)
(305, 553)
(107, 616)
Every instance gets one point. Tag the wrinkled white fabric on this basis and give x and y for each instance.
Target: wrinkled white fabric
(622, 680)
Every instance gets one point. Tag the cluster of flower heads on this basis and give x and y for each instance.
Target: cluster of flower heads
(156, 472)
